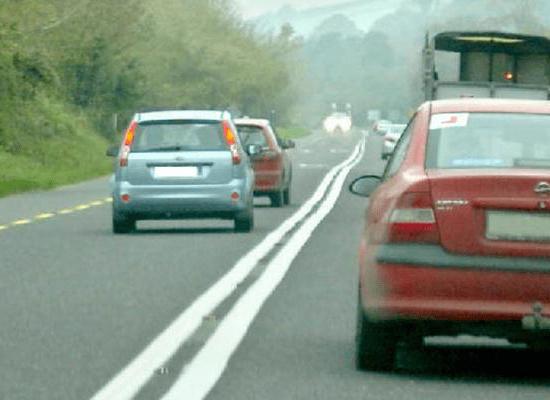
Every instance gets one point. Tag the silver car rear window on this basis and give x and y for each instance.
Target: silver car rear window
(488, 140)
(178, 136)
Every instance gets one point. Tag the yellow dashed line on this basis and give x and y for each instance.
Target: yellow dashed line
(48, 215)
(44, 216)
(21, 222)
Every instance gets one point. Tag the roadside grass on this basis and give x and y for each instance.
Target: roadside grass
(46, 144)
(64, 163)
(293, 132)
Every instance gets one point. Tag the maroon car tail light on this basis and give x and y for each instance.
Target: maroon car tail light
(413, 219)
(231, 139)
(127, 144)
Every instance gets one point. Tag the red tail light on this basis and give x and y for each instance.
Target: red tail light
(231, 139)
(413, 219)
(127, 144)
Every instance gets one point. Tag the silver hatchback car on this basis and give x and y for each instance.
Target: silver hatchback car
(179, 165)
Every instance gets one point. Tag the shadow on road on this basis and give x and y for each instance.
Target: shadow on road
(476, 364)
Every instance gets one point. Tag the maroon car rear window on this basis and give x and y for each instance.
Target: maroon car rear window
(251, 134)
(488, 140)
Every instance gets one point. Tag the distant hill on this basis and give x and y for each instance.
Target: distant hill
(363, 13)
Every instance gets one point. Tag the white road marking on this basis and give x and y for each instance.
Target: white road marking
(3, 227)
(127, 383)
(202, 373)
(312, 166)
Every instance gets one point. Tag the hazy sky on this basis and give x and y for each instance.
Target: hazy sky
(252, 8)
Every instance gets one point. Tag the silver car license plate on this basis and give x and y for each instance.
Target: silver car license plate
(175, 172)
(517, 226)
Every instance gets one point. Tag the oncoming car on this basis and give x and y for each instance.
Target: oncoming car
(338, 124)
(272, 166)
(182, 164)
(457, 237)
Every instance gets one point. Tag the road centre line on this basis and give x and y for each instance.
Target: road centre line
(44, 216)
(127, 383)
(21, 222)
(201, 374)
(49, 215)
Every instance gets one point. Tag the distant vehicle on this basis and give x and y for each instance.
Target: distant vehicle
(489, 64)
(381, 126)
(182, 164)
(272, 164)
(338, 123)
(457, 237)
(390, 139)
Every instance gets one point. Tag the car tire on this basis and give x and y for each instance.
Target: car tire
(375, 344)
(123, 225)
(244, 221)
(286, 196)
(277, 199)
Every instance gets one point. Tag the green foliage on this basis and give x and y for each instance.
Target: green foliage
(67, 66)
(293, 132)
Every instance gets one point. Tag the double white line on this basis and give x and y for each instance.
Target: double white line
(202, 373)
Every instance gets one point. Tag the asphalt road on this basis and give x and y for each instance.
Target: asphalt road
(78, 304)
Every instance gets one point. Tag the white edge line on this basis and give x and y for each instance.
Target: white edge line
(201, 374)
(127, 383)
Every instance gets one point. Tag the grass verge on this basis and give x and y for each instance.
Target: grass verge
(293, 132)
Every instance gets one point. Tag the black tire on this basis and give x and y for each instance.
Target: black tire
(277, 199)
(244, 222)
(123, 225)
(286, 196)
(375, 344)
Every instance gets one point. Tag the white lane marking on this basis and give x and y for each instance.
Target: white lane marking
(313, 166)
(3, 227)
(127, 383)
(201, 374)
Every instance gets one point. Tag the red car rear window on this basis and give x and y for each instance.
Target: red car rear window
(489, 140)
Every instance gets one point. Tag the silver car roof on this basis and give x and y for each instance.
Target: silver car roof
(182, 115)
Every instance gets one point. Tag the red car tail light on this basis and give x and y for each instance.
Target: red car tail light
(231, 139)
(127, 144)
(413, 219)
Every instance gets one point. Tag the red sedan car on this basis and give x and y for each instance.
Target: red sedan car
(271, 165)
(457, 237)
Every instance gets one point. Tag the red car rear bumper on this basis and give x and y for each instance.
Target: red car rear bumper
(424, 282)
(268, 181)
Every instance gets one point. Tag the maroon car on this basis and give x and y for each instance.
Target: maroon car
(457, 237)
(272, 165)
